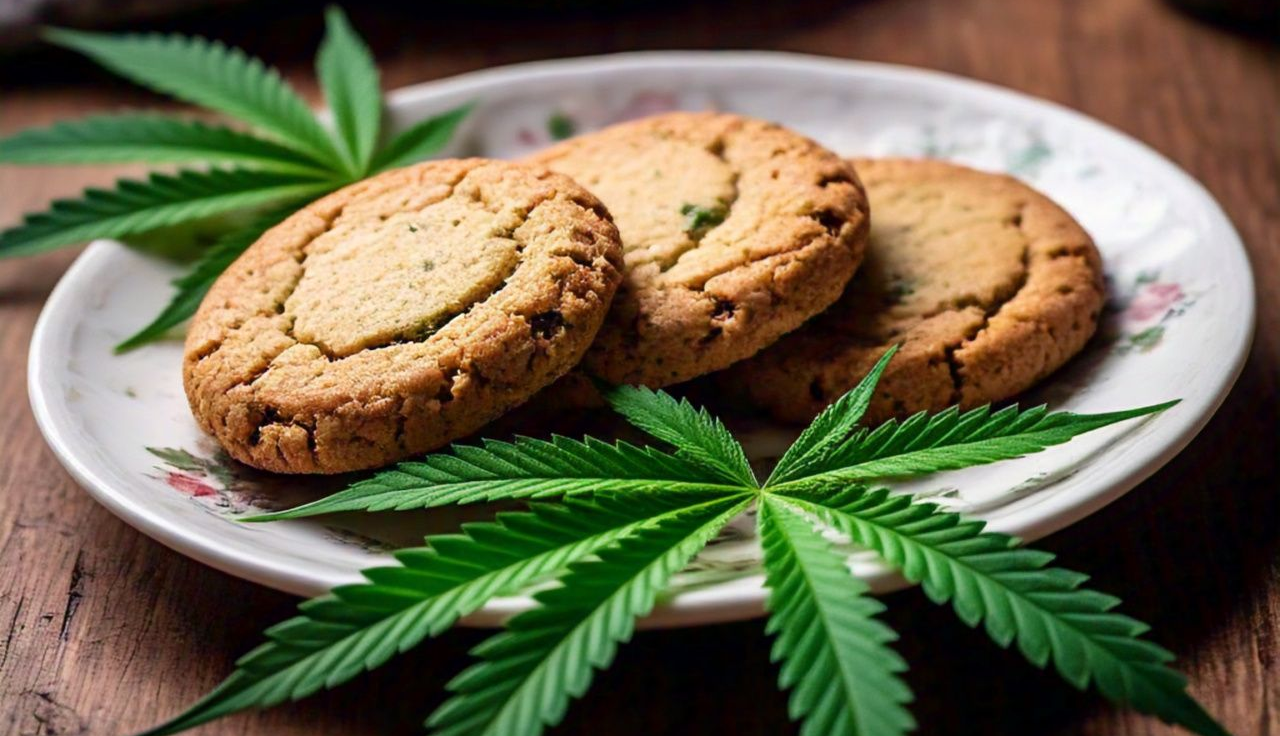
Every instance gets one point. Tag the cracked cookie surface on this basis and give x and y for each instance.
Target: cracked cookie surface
(987, 285)
(400, 313)
(734, 231)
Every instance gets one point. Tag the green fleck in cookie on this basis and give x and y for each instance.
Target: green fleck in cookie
(400, 313)
(734, 231)
(987, 285)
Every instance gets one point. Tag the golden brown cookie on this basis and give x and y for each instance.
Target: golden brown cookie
(734, 231)
(400, 313)
(987, 285)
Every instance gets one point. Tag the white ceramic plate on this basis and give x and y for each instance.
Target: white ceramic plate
(1179, 326)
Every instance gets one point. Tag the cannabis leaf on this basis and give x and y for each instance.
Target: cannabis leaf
(630, 518)
(153, 139)
(950, 440)
(830, 427)
(696, 435)
(211, 75)
(192, 286)
(1016, 596)
(161, 200)
(707, 456)
(359, 627)
(549, 654)
(286, 158)
(834, 447)
(834, 654)
(424, 139)
(350, 81)
(526, 468)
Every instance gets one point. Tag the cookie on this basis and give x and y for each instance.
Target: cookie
(400, 313)
(987, 285)
(734, 232)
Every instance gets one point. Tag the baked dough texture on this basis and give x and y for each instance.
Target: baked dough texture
(987, 285)
(735, 231)
(400, 313)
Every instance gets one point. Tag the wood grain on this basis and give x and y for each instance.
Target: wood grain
(104, 631)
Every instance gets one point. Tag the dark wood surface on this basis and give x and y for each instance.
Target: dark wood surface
(104, 631)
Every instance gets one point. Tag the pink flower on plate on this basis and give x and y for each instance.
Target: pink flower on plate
(189, 485)
(527, 137)
(1153, 300)
(646, 103)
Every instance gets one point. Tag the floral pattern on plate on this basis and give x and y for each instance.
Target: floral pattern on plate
(1144, 308)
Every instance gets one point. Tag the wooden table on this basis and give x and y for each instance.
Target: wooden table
(104, 631)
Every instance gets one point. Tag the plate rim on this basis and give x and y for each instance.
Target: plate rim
(697, 606)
